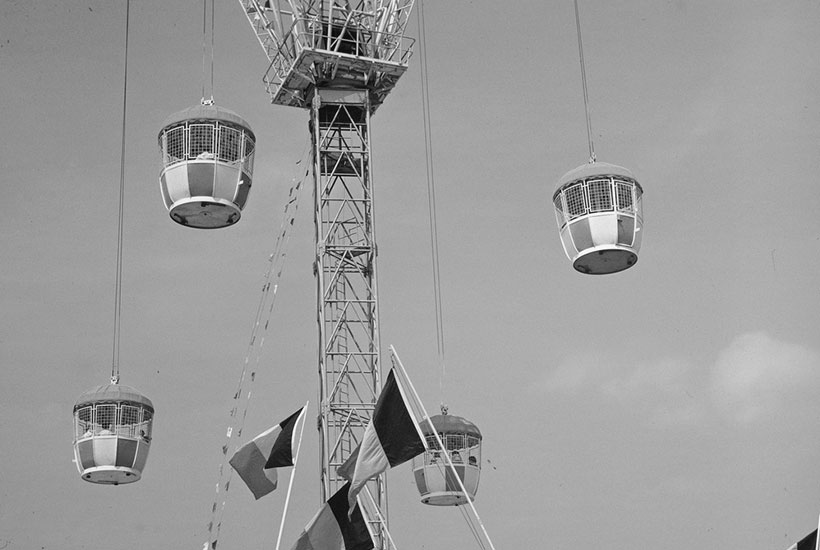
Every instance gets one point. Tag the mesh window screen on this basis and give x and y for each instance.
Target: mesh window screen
(83, 421)
(575, 201)
(106, 416)
(129, 418)
(201, 137)
(248, 146)
(129, 415)
(247, 165)
(84, 414)
(600, 196)
(454, 441)
(230, 144)
(559, 210)
(624, 193)
(145, 426)
(175, 145)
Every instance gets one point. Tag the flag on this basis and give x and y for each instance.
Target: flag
(809, 542)
(257, 460)
(333, 528)
(391, 438)
(345, 471)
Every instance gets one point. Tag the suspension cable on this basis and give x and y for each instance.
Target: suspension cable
(115, 360)
(213, 35)
(239, 410)
(204, 38)
(431, 195)
(584, 83)
(205, 48)
(431, 205)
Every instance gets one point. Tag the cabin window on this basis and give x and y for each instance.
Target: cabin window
(201, 140)
(84, 421)
(559, 210)
(247, 164)
(600, 195)
(106, 417)
(624, 195)
(174, 145)
(230, 144)
(576, 203)
(129, 418)
(145, 425)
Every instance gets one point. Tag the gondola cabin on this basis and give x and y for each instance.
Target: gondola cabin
(598, 207)
(112, 434)
(207, 166)
(434, 477)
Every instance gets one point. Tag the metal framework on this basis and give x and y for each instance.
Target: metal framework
(340, 59)
(329, 44)
(349, 365)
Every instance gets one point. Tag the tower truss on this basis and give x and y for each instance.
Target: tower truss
(345, 264)
(340, 59)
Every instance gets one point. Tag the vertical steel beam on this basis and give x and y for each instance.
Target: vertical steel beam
(345, 267)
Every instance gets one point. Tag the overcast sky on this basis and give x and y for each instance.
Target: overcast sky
(672, 406)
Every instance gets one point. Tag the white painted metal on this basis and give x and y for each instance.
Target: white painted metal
(598, 207)
(112, 434)
(340, 59)
(320, 43)
(349, 365)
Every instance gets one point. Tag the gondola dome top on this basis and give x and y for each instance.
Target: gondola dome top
(203, 113)
(113, 393)
(450, 424)
(592, 169)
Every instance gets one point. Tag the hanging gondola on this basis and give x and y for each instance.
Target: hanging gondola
(598, 207)
(112, 434)
(112, 423)
(432, 470)
(207, 166)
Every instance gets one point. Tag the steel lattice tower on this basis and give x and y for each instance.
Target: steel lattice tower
(340, 59)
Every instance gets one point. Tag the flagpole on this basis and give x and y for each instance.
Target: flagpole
(441, 445)
(382, 521)
(817, 538)
(292, 474)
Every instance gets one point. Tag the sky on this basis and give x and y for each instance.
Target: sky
(672, 405)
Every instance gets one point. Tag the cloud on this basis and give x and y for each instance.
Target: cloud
(667, 374)
(576, 373)
(757, 375)
(662, 392)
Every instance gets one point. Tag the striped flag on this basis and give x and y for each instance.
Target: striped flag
(256, 461)
(809, 542)
(333, 528)
(391, 438)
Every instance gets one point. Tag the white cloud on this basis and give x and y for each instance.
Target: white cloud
(577, 372)
(754, 376)
(661, 391)
(667, 374)
(758, 375)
